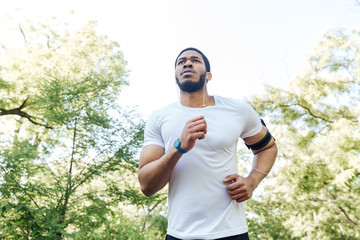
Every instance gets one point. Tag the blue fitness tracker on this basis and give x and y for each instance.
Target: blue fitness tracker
(177, 146)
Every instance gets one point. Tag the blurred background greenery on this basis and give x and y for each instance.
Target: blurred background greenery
(69, 148)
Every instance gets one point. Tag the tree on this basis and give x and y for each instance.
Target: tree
(314, 192)
(68, 151)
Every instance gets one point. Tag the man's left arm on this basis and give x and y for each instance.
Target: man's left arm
(265, 151)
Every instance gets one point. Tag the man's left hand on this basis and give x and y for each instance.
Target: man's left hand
(240, 188)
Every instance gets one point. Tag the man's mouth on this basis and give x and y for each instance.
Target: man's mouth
(187, 72)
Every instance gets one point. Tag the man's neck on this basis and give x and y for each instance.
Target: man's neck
(196, 99)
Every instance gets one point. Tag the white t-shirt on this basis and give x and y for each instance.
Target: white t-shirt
(199, 204)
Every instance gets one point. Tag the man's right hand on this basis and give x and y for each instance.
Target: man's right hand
(194, 129)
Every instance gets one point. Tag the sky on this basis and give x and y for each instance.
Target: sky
(250, 44)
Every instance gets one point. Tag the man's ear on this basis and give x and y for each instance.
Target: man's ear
(208, 76)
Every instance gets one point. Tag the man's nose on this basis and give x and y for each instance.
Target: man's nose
(188, 63)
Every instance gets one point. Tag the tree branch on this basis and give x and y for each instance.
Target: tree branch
(307, 109)
(88, 164)
(69, 180)
(347, 217)
(22, 32)
(90, 173)
(148, 211)
(18, 111)
(24, 190)
(69, 185)
(73, 150)
(312, 114)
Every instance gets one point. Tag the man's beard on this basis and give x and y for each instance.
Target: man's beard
(191, 86)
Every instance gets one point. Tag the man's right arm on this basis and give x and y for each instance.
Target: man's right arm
(156, 166)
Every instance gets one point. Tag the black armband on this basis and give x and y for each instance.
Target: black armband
(263, 142)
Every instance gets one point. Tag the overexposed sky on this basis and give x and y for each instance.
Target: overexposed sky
(248, 43)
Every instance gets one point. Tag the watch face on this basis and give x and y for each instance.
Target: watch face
(177, 143)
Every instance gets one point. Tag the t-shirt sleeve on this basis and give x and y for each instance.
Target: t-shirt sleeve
(253, 124)
(152, 133)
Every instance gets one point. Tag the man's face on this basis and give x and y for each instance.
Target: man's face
(190, 71)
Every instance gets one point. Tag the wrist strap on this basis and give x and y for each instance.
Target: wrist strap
(177, 146)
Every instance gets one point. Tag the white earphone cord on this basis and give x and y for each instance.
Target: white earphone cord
(204, 105)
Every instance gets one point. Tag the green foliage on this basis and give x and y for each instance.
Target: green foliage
(68, 153)
(314, 192)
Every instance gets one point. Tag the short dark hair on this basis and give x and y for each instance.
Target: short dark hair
(206, 60)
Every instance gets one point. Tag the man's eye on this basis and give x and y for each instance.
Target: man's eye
(181, 62)
(196, 60)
